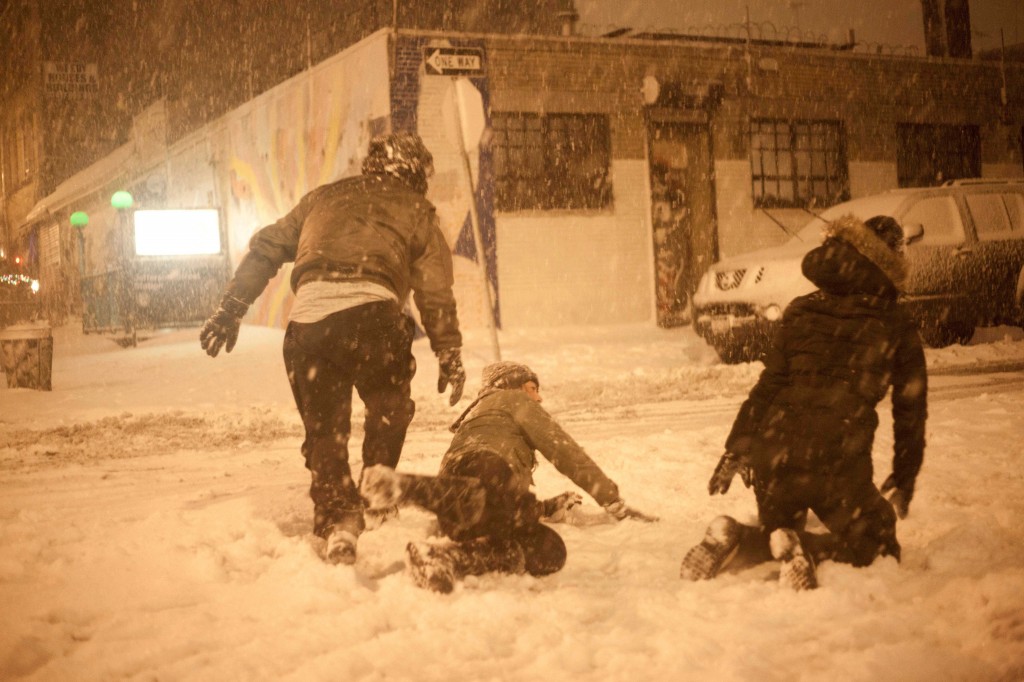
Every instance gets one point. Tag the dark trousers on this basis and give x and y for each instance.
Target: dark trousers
(497, 527)
(369, 348)
(861, 523)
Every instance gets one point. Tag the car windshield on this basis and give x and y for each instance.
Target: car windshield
(867, 207)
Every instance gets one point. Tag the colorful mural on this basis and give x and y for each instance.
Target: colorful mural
(310, 130)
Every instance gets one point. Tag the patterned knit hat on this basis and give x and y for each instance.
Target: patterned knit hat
(402, 155)
(507, 374)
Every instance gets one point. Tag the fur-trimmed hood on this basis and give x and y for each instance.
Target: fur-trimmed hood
(855, 260)
(855, 233)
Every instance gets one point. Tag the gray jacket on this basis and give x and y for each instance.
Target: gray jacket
(509, 423)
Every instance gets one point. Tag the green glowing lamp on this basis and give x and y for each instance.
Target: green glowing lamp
(121, 199)
(79, 219)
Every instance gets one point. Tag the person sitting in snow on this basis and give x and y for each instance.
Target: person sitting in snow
(481, 495)
(803, 437)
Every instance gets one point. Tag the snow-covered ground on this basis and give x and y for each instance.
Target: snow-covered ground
(154, 525)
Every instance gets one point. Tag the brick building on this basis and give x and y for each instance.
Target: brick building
(613, 169)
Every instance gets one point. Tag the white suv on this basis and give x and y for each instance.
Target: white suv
(965, 249)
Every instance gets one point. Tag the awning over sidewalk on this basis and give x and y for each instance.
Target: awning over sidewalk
(82, 184)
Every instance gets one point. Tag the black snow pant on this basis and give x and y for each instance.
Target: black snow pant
(496, 527)
(861, 523)
(368, 347)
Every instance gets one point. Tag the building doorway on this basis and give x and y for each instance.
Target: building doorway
(682, 214)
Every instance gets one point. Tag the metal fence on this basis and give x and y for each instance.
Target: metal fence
(152, 294)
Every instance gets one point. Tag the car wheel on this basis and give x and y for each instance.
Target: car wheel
(942, 334)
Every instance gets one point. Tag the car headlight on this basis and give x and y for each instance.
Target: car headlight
(773, 313)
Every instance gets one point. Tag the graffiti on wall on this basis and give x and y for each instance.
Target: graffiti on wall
(308, 131)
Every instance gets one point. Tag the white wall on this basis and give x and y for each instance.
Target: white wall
(743, 229)
(573, 268)
(740, 227)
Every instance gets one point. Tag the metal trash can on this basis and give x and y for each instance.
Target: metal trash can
(26, 353)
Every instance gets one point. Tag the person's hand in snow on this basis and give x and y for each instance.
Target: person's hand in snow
(898, 496)
(620, 511)
(555, 508)
(222, 327)
(450, 371)
(728, 466)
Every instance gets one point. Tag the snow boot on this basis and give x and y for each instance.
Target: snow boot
(715, 551)
(341, 547)
(797, 570)
(437, 567)
(429, 568)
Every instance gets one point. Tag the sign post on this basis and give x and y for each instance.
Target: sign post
(469, 115)
(470, 122)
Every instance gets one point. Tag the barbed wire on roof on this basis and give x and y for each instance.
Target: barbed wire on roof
(886, 49)
(761, 32)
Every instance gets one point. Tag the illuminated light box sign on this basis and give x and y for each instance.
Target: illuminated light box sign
(177, 232)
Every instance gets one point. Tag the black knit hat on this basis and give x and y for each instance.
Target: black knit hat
(887, 229)
(507, 374)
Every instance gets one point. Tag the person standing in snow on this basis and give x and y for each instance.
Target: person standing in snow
(803, 437)
(481, 495)
(359, 245)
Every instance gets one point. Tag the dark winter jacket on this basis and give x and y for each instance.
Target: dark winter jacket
(509, 423)
(836, 354)
(370, 228)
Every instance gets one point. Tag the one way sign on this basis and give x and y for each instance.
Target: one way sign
(453, 61)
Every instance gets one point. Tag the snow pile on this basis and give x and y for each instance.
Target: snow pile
(155, 525)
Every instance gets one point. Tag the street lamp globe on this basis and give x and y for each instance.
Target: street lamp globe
(79, 219)
(121, 199)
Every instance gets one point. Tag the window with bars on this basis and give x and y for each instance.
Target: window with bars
(929, 155)
(553, 161)
(798, 163)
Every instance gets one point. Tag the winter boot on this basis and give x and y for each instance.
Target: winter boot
(430, 568)
(341, 547)
(715, 551)
(341, 536)
(437, 567)
(797, 570)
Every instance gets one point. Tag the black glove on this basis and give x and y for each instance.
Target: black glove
(620, 511)
(450, 371)
(728, 466)
(899, 497)
(556, 507)
(222, 327)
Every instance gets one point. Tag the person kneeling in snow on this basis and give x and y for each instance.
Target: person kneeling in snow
(481, 495)
(803, 437)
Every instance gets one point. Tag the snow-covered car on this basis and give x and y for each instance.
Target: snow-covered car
(964, 247)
